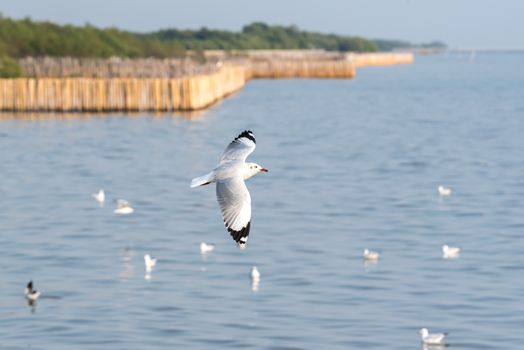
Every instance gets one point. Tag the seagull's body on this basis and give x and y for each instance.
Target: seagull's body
(30, 293)
(370, 255)
(432, 338)
(450, 252)
(100, 196)
(232, 194)
(206, 248)
(123, 207)
(444, 191)
(149, 262)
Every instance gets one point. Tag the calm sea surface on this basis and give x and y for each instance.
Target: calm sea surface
(353, 164)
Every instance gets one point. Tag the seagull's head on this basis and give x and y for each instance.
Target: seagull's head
(252, 169)
(423, 332)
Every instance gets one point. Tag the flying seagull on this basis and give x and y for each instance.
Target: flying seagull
(232, 194)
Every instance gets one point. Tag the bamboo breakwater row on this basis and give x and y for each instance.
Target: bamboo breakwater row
(119, 94)
(379, 59)
(301, 69)
(181, 93)
(114, 67)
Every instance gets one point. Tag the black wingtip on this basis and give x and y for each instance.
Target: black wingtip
(247, 134)
(241, 235)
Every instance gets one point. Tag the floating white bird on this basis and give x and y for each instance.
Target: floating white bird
(370, 255)
(123, 207)
(255, 274)
(30, 293)
(432, 339)
(444, 191)
(232, 194)
(450, 252)
(206, 248)
(255, 279)
(150, 262)
(100, 196)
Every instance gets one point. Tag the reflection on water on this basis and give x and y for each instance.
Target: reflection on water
(48, 116)
(433, 347)
(369, 264)
(32, 305)
(127, 271)
(254, 285)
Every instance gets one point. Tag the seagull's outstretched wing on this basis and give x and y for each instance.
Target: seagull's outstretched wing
(241, 147)
(235, 204)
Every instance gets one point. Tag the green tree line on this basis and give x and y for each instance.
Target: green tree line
(21, 38)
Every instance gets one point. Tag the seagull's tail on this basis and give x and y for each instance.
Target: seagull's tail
(203, 180)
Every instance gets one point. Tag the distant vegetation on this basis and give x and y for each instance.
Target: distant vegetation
(9, 68)
(262, 36)
(21, 38)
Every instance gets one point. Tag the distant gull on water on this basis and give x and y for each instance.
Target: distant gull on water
(123, 207)
(255, 274)
(444, 191)
(432, 338)
(255, 278)
(149, 262)
(206, 248)
(232, 194)
(450, 252)
(30, 293)
(370, 255)
(100, 196)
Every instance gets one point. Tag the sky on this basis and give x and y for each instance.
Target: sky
(464, 24)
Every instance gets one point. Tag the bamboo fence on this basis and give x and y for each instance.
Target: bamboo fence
(74, 85)
(119, 94)
(379, 59)
(301, 69)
